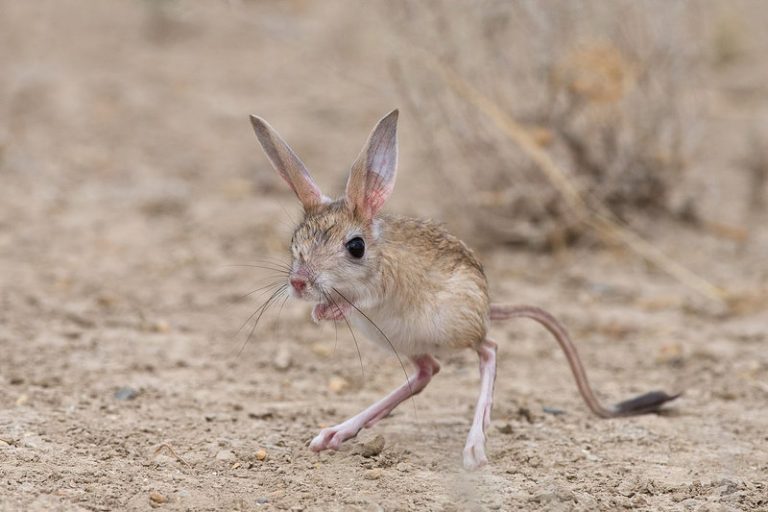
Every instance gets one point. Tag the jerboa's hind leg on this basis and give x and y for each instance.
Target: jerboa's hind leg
(474, 450)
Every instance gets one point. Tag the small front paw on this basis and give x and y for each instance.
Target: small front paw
(320, 442)
(328, 312)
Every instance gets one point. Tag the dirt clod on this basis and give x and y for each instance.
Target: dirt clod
(283, 359)
(156, 499)
(322, 349)
(337, 384)
(372, 447)
(159, 326)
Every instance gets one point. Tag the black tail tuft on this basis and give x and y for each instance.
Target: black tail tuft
(649, 402)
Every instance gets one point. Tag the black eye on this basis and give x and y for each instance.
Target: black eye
(356, 247)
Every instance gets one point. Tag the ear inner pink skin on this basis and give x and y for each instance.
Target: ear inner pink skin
(287, 164)
(375, 199)
(372, 177)
(331, 438)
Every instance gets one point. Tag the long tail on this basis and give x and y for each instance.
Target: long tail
(649, 402)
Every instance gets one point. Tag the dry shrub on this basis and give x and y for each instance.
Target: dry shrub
(604, 86)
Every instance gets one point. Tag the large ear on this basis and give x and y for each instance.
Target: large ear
(372, 177)
(285, 161)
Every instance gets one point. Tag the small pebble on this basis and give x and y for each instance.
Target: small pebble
(156, 499)
(225, 455)
(80, 320)
(337, 384)
(505, 429)
(525, 412)
(670, 353)
(261, 415)
(126, 393)
(262, 500)
(282, 360)
(373, 474)
(106, 301)
(553, 411)
(322, 349)
(261, 454)
(161, 326)
(372, 447)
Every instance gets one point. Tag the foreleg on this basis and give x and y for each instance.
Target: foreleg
(332, 437)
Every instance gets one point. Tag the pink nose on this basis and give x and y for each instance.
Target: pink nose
(298, 283)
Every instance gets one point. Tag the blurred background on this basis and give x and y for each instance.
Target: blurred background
(608, 160)
(651, 111)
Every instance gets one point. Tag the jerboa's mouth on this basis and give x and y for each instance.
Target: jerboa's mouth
(326, 311)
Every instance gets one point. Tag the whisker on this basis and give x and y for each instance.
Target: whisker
(336, 334)
(254, 313)
(274, 261)
(349, 326)
(261, 312)
(271, 259)
(285, 270)
(273, 283)
(392, 346)
(279, 311)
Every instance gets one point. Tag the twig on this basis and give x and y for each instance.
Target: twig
(170, 449)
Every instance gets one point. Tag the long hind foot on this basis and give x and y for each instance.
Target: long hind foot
(474, 450)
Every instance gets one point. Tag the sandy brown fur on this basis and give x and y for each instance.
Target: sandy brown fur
(435, 270)
(414, 268)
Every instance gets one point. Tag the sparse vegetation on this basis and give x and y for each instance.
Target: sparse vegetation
(606, 89)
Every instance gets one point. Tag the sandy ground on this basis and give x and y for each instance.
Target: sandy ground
(131, 180)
